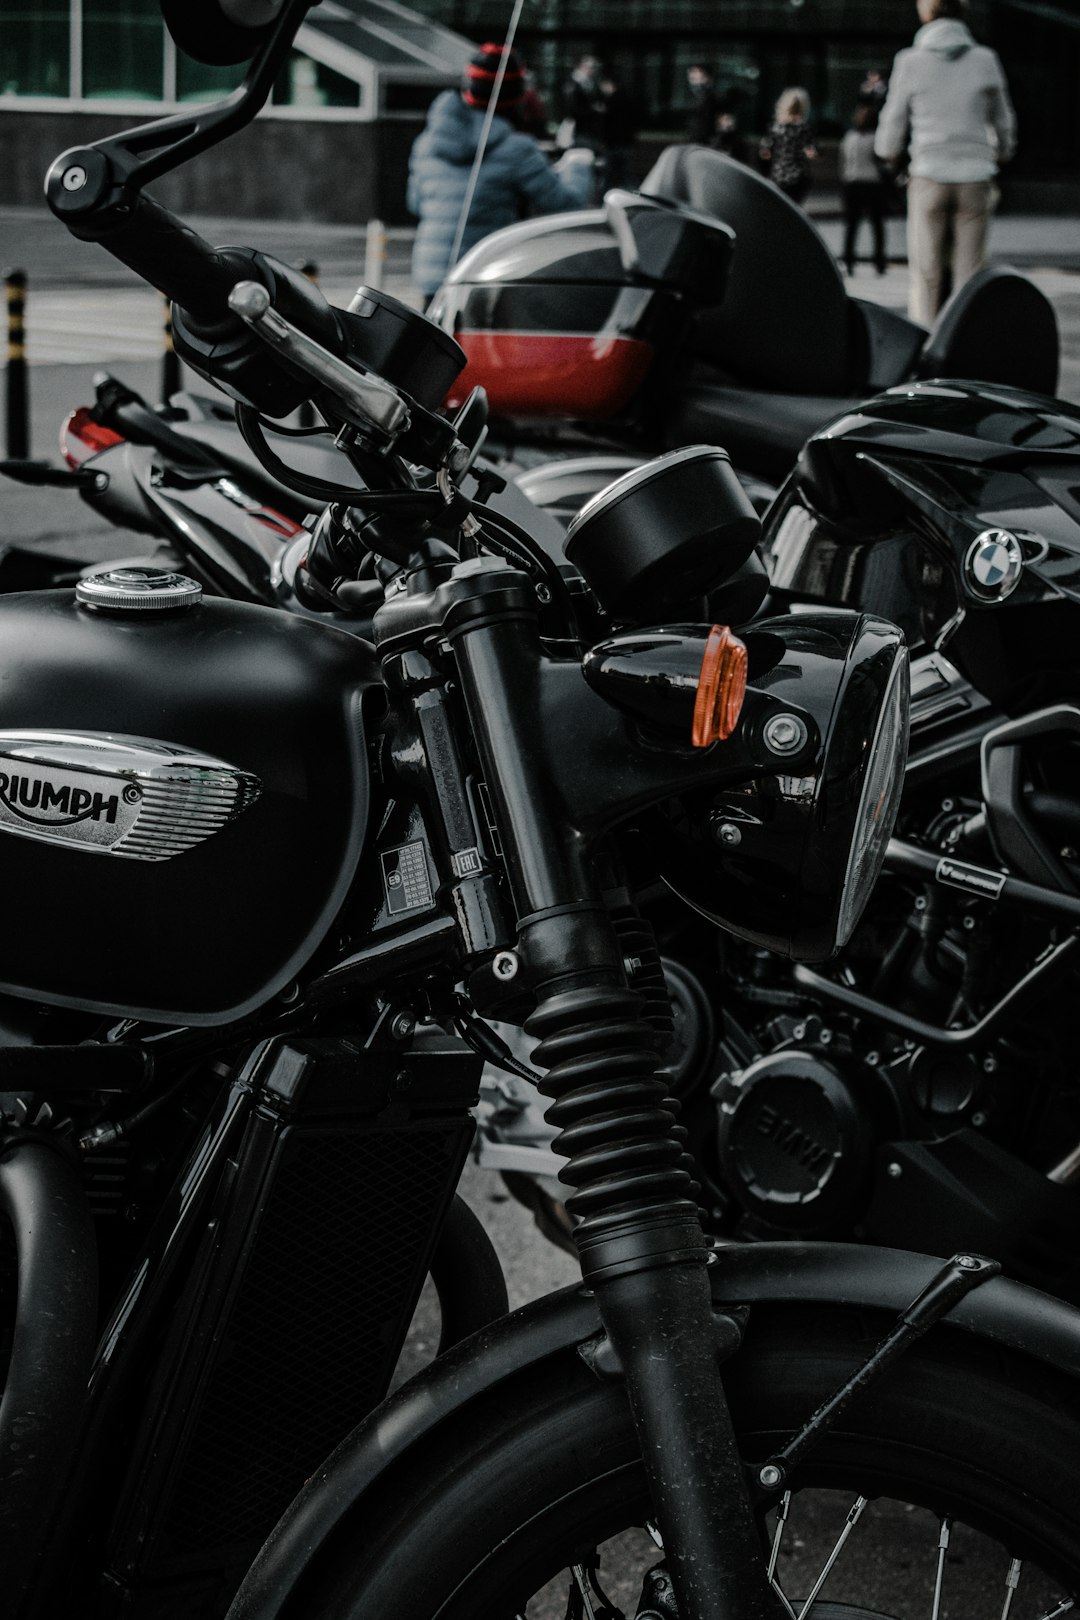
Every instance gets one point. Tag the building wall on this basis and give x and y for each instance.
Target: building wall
(340, 172)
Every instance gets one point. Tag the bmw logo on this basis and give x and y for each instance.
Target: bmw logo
(993, 565)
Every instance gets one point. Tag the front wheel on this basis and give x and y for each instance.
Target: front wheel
(951, 1489)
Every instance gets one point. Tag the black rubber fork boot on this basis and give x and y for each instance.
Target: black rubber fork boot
(644, 1254)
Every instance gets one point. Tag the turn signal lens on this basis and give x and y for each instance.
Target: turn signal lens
(721, 687)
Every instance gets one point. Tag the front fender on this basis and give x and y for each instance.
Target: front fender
(1003, 1312)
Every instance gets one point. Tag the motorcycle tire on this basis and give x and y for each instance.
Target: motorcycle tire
(957, 1433)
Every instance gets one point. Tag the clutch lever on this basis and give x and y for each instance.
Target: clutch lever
(366, 401)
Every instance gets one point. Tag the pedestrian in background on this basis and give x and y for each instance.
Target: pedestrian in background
(622, 120)
(863, 187)
(727, 138)
(948, 103)
(514, 179)
(705, 104)
(584, 108)
(873, 89)
(787, 149)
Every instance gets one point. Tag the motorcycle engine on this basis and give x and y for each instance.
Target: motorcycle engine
(796, 1132)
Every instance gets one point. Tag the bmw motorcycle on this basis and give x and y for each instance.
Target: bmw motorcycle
(181, 1360)
(918, 1091)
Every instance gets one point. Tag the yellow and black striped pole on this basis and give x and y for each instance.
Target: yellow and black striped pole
(170, 364)
(18, 415)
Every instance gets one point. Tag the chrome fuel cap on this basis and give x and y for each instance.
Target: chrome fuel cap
(137, 590)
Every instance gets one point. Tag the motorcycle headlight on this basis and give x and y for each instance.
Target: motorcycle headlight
(788, 858)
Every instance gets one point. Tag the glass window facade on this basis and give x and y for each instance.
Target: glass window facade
(123, 50)
(757, 47)
(35, 47)
(306, 83)
(122, 53)
(196, 81)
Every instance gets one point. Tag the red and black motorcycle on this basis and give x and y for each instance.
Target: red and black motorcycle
(592, 335)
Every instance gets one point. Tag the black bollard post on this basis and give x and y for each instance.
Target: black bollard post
(18, 412)
(170, 363)
(306, 413)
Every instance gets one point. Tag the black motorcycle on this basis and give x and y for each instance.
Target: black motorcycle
(918, 1091)
(262, 1063)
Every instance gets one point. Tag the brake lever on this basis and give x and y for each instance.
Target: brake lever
(43, 472)
(366, 400)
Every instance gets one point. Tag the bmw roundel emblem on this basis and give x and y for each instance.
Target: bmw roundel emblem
(993, 565)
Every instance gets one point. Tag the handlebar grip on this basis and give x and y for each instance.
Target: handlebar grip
(145, 236)
(83, 193)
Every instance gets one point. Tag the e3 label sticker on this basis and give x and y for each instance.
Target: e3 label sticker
(405, 878)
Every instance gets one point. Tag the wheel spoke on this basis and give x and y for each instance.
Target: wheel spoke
(943, 1547)
(783, 1507)
(1012, 1581)
(581, 1582)
(1062, 1608)
(854, 1515)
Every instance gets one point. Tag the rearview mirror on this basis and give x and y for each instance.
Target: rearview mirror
(220, 32)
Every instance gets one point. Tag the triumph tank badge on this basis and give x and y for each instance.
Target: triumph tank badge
(993, 565)
(128, 796)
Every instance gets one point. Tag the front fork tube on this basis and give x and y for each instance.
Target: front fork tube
(662, 1330)
(645, 1257)
(640, 1239)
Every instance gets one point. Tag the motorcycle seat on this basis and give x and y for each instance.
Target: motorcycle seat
(786, 320)
(998, 327)
(762, 431)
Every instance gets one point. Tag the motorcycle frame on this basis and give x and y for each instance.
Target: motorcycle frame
(179, 1296)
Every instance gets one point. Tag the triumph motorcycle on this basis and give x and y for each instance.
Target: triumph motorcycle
(202, 1120)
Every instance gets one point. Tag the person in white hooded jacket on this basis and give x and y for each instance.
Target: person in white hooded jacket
(948, 102)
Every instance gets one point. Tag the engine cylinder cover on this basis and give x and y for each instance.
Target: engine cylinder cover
(794, 1144)
(183, 801)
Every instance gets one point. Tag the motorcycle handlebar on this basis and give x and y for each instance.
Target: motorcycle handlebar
(145, 236)
(198, 278)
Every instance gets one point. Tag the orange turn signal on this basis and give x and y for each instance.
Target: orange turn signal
(721, 687)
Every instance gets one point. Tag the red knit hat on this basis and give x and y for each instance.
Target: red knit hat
(482, 71)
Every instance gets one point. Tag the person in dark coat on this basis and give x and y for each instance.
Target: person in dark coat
(514, 180)
(705, 104)
(584, 105)
(727, 138)
(621, 124)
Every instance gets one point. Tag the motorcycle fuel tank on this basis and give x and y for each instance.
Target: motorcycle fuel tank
(933, 498)
(183, 796)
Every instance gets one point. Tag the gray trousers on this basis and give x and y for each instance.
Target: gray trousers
(946, 223)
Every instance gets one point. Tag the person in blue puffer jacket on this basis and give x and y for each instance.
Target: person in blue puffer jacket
(515, 177)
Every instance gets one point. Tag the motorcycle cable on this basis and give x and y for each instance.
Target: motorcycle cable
(503, 535)
(509, 540)
(322, 429)
(424, 503)
(480, 1036)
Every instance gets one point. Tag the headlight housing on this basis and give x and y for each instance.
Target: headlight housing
(788, 858)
